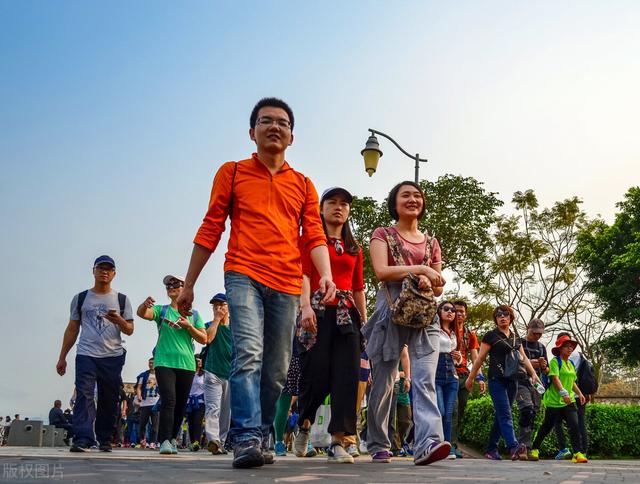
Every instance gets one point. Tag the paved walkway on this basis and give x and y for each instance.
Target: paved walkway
(21, 464)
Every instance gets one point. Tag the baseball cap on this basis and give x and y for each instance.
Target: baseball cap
(167, 279)
(104, 259)
(536, 326)
(329, 192)
(221, 297)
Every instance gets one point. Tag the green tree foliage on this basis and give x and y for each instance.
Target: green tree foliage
(459, 212)
(611, 256)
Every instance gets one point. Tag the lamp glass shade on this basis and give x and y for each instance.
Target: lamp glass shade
(371, 158)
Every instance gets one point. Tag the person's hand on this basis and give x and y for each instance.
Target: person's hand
(468, 384)
(328, 288)
(369, 379)
(407, 384)
(185, 300)
(424, 282)
(542, 363)
(183, 322)
(113, 316)
(456, 355)
(582, 399)
(483, 386)
(149, 302)
(567, 399)
(434, 276)
(535, 380)
(61, 366)
(308, 319)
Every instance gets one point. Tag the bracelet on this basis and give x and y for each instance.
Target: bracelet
(564, 393)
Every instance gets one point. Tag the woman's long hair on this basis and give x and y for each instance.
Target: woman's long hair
(351, 245)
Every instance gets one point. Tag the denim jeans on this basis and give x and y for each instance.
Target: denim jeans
(447, 392)
(106, 374)
(503, 393)
(261, 321)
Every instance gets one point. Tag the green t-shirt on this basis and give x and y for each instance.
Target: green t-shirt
(403, 397)
(567, 375)
(175, 345)
(218, 359)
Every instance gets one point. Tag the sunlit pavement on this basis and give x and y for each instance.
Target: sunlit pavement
(142, 466)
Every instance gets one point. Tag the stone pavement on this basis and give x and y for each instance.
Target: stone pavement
(22, 464)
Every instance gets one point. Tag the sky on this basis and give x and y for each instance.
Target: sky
(115, 116)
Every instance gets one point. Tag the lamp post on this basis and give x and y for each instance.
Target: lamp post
(372, 154)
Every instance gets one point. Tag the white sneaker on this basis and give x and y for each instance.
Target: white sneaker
(337, 454)
(352, 450)
(363, 447)
(301, 443)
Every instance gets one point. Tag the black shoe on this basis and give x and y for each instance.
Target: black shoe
(105, 448)
(247, 454)
(79, 448)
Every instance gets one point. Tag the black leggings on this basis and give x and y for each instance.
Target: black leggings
(570, 415)
(174, 386)
(194, 422)
(332, 366)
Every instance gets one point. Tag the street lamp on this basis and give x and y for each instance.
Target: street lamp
(372, 154)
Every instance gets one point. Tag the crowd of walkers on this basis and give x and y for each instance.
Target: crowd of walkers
(290, 337)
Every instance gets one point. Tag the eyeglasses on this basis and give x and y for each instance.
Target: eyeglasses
(503, 314)
(337, 244)
(266, 121)
(449, 309)
(104, 268)
(174, 285)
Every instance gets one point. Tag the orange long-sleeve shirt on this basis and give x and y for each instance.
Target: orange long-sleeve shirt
(266, 217)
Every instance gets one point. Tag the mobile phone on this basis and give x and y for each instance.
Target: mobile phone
(173, 324)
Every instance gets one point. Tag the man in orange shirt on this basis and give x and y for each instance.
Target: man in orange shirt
(274, 217)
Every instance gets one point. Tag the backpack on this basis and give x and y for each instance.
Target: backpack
(546, 381)
(83, 295)
(587, 381)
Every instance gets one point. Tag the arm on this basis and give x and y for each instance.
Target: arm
(406, 367)
(199, 257)
(198, 334)
(385, 272)
(320, 258)
(212, 331)
(68, 340)
(125, 325)
(579, 393)
(484, 351)
(361, 305)
(145, 310)
(528, 366)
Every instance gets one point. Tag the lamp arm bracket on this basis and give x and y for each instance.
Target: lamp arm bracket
(413, 157)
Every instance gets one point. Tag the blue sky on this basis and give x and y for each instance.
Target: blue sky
(115, 116)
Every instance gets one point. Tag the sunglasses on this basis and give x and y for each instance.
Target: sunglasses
(449, 309)
(503, 314)
(174, 285)
(337, 244)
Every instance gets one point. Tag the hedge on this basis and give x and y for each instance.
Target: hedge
(613, 429)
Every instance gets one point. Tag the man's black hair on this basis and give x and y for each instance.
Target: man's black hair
(272, 102)
(393, 195)
(460, 302)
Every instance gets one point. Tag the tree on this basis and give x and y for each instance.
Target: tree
(611, 257)
(534, 268)
(459, 212)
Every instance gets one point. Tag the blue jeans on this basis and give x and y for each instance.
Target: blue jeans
(261, 321)
(503, 393)
(447, 392)
(106, 374)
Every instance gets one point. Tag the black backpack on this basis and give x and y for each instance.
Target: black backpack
(587, 381)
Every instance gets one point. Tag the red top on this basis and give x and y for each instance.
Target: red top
(466, 347)
(346, 270)
(267, 215)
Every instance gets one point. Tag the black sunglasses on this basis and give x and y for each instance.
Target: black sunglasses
(449, 309)
(501, 314)
(174, 285)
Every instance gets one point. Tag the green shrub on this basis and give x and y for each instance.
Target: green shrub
(613, 430)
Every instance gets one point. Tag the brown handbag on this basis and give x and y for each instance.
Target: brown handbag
(414, 307)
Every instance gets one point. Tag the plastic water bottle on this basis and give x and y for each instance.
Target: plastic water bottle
(539, 387)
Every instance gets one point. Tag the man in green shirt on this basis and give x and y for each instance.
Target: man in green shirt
(217, 366)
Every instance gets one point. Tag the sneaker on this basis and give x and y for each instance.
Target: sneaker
(166, 448)
(195, 447)
(280, 448)
(493, 455)
(152, 446)
(214, 446)
(524, 455)
(534, 455)
(363, 447)
(517, 451)
(452, 454)
(337, 454)
(458, 453)
(381, 457)
(435, 452)
(267, 455)
(408, 451)
(301, 443)
(247, 454)
(311, 450)
(579, 458)
(174, 446)
(563, 454)
(79, 448)
(105, 448)
(142, 444)
(352, 450)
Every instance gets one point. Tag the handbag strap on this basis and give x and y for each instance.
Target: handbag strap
(396, 247)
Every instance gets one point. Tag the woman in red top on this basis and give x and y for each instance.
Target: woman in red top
(329, 334)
